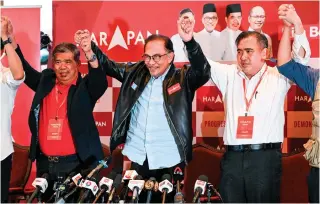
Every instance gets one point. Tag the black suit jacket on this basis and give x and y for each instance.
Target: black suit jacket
(81, 100)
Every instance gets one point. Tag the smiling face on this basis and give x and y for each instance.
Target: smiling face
(210, 20)
(157, 58)
(234, 21)
(257, 18)
(65, 67)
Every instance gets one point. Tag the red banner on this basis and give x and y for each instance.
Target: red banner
(119, 29)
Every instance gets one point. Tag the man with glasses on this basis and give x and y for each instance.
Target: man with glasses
(256, 19)
(153, 116)
(209, 38)
(178, 45)
(231, 32)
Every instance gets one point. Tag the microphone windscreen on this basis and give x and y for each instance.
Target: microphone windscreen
(203, 178)
(45, 176)
(166, 176)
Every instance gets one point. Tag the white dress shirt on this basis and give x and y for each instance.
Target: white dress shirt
(228, 38)
(267, 104)
(8, 89)
(180, 54)
(210, 44)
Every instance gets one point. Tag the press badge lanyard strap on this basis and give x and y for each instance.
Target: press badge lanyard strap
(248, 103)
(64, 100)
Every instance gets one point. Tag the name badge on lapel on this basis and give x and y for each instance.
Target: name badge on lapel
(134, 86)
(176, 87)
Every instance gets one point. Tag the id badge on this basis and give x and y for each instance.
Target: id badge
(245, 127)
(55, 129)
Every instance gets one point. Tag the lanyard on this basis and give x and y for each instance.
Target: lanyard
(248, 103)
(64, 100)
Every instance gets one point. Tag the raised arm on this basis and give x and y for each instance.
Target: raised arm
(199, 72)
(14, 61)
(32, 76)
(300, 49)
(96, 80)
(304, 76)
(111, 68)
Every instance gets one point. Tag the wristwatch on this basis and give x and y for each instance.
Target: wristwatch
(6, 42)
(92, 58)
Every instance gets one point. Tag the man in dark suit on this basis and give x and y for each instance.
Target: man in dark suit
(61, 121)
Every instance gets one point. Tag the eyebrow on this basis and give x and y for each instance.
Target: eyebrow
(246, 49)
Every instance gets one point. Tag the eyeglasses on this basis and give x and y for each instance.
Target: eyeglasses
(256, 17)
(156, 58)
(214, 18)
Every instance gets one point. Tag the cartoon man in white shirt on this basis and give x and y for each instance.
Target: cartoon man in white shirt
(178, 45)
(256, 19)
(209, 38)
(231, 32)
(10, 79)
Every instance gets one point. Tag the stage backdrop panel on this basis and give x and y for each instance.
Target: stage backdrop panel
(119, 29)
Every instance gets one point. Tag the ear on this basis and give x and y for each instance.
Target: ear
(226, 19)
(264, 53)
(170, 57)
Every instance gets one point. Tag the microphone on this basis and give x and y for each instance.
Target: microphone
(165, 186)
(128, 175)
(102, 164)
(211, 187)
(78, 181)
(41, 184)
(178, 178)
(105, 185)
(78, 168)
(90, 186)
(136, 186)
(199, 187)
(149, 186)
(115, 185)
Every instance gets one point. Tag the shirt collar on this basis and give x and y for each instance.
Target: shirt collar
(260, 72)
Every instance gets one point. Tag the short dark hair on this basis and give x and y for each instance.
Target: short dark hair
(167, 41)
(261, 38)
(67, 47)
(186, 10)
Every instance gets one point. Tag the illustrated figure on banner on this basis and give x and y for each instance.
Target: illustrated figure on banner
(256, 19)
(180, 53)
(209, 38)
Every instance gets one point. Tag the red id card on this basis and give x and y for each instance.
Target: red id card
(245, 127)
(55, 129)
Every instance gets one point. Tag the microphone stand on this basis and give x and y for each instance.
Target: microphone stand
(209, 195)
